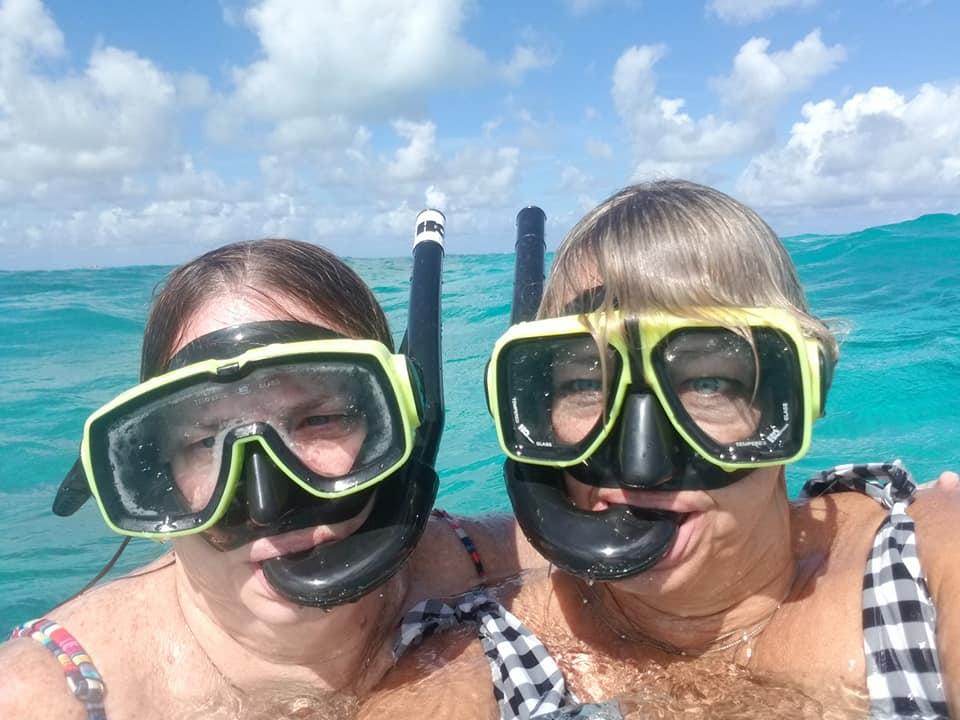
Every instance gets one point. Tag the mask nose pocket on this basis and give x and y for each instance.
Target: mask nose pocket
(267, 488)
(646, 444)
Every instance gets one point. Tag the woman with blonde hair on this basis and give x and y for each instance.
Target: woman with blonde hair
(673, 370)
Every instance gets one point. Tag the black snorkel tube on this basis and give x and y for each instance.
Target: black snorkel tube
(422, 341)
(335, 573)
(528, 266)
(606, 545)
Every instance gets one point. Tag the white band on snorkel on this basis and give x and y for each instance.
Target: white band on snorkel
(429, 227)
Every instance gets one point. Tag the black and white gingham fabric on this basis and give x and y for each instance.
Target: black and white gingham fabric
(526, 681)
(899, 617)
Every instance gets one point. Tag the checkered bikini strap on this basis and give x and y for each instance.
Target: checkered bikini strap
(899, 617)
(82, 677)
(526, 681)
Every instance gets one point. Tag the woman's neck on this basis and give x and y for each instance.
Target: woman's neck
(727, 602)
(342, 649)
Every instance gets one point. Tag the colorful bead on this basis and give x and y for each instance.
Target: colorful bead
(82, 677)
(465, 539)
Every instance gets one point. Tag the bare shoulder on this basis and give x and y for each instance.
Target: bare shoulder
(441, 564)
(119, 611)
(32, 679)
(837, 525)
(501, 544)
(936, 515)
(116, 626)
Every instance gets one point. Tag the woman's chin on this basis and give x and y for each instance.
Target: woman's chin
(267, 604)
(677, 566)
(682, 546)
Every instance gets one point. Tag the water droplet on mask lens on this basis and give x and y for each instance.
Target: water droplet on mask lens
(590, 582)
(380, 596)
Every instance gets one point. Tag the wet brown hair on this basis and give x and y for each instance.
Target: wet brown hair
(267, 271)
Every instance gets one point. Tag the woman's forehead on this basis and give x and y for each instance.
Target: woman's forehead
(233, 310)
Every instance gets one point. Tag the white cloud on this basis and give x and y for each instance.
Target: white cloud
(762, 80)
(434, 198)
(186, 182)
(296, 132)
(667, 141)
(325, 58)
(877, 147)
(358, 60)
(321, 195)
(484, 177)
(412, 161)
(574, 179)
(77, 135)
(526, 59)
(744, 11)
(27, 31)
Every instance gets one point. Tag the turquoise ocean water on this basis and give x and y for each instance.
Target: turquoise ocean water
(69, 341)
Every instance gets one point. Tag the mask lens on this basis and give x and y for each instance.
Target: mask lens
(553, 397)
(713, 374)
(740, 398)
(334, 423)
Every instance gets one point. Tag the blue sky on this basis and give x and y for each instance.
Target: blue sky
(148, 132)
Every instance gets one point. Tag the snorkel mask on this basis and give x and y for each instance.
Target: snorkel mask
(269, 427)
(655, 402)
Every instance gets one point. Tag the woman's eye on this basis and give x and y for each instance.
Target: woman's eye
(204, 443)
(330, 423)
(322, 420)
(709, 386)
(577, 386)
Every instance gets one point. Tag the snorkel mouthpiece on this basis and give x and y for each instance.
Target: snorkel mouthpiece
(339, 572)
(609, 544)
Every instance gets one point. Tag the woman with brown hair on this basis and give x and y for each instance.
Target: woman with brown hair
(285, 451)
